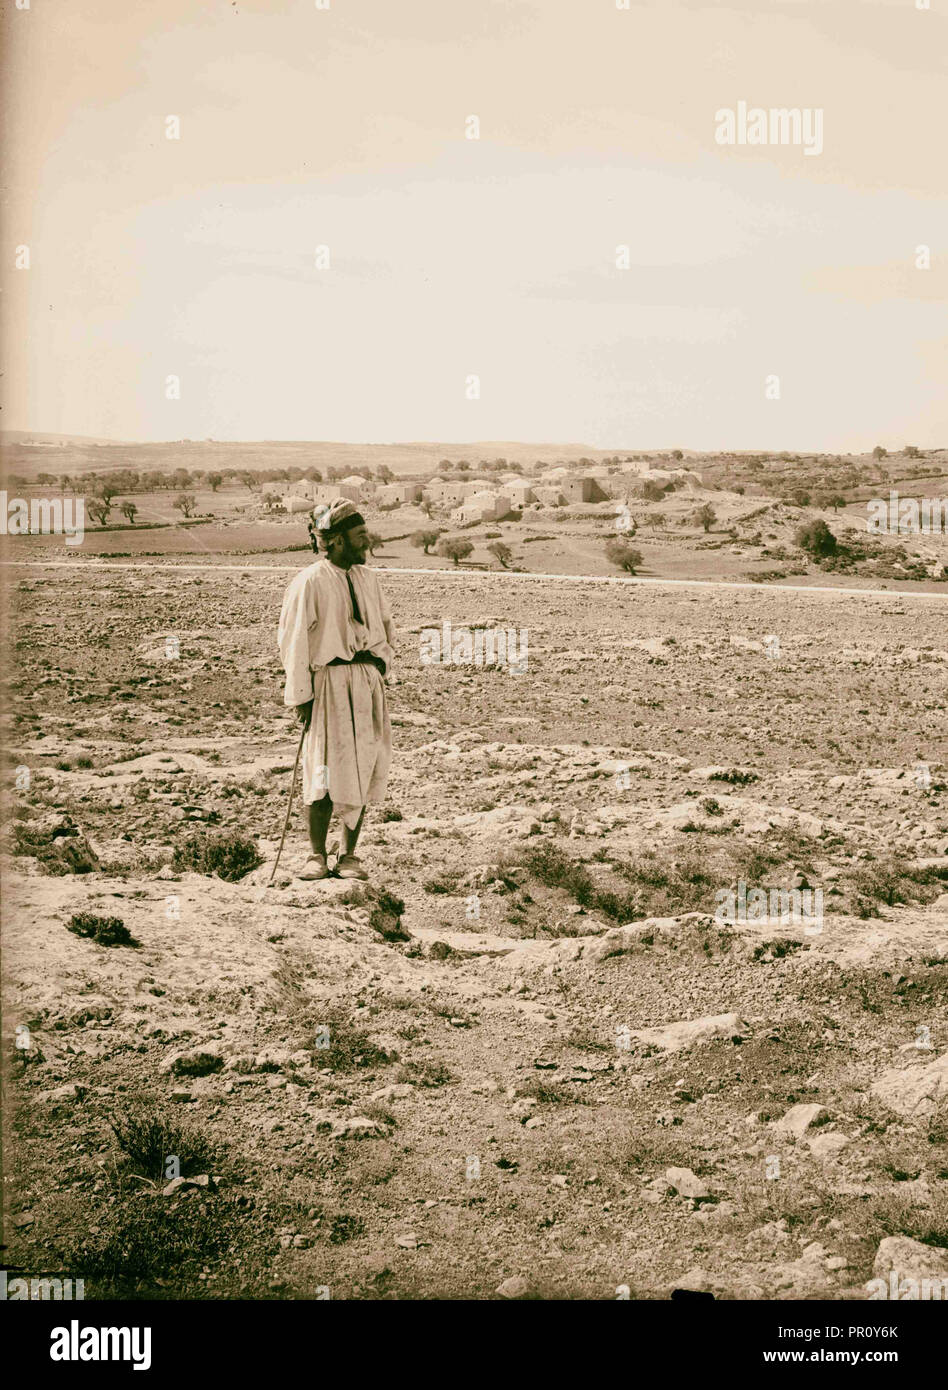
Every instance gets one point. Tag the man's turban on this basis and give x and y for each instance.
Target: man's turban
(340, 515)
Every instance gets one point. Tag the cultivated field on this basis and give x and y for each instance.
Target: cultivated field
(756, 509)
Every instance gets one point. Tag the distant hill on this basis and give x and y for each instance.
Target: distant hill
(49, 441)
(29, 454)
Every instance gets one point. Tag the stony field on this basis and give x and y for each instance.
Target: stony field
(526, 1060)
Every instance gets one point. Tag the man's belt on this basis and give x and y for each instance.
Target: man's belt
(360, 659)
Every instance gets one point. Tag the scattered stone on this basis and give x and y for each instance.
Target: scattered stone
(91, 1012)
(634, 935)
(176, 1184)
(909, 1259)
(770, 1232)
(63, 1095)
(718, 1212)
(272, 1058)
(826, 1145)
(915, 1092)
(675, 1037)
(514, 1287)
(197, 1061)
(687, 1184)
(798, 1119)
(358, 1127)
(400, 1091)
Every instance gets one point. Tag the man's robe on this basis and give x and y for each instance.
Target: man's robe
(348, 747)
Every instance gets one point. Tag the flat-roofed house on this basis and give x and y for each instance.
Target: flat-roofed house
(293, 502)
(451, 494)
(355, 487)
(583, 489)
(482, 506)
(519, 493)
(394, 494)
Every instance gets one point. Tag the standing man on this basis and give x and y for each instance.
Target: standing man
(336, 641)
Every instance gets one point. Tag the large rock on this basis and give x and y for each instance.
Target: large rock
(70, 852)
(797, 1120)
(515, 1287)
(197, 1061)
(909, 1259)
(914, 1091)
(752, 815)
(652, 932)
(687, 1184)
(357, 1127)
(515, 821)
(62, 1095)
(674, 1037)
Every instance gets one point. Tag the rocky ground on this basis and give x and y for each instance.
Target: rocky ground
(525, 1060)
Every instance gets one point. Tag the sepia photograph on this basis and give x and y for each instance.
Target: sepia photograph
(474, 558)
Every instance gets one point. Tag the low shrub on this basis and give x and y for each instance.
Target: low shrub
(104, 931)
(230, 856)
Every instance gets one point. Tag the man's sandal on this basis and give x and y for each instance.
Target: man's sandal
(348, 866)
(315, 868)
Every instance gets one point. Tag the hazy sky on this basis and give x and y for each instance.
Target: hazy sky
(345, 127)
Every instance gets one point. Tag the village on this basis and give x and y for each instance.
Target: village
(469, 500)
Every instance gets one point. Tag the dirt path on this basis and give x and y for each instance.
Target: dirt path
(505, 575)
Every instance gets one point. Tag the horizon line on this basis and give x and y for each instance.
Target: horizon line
(97, 441)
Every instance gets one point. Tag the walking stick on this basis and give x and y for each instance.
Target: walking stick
(289, 809)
